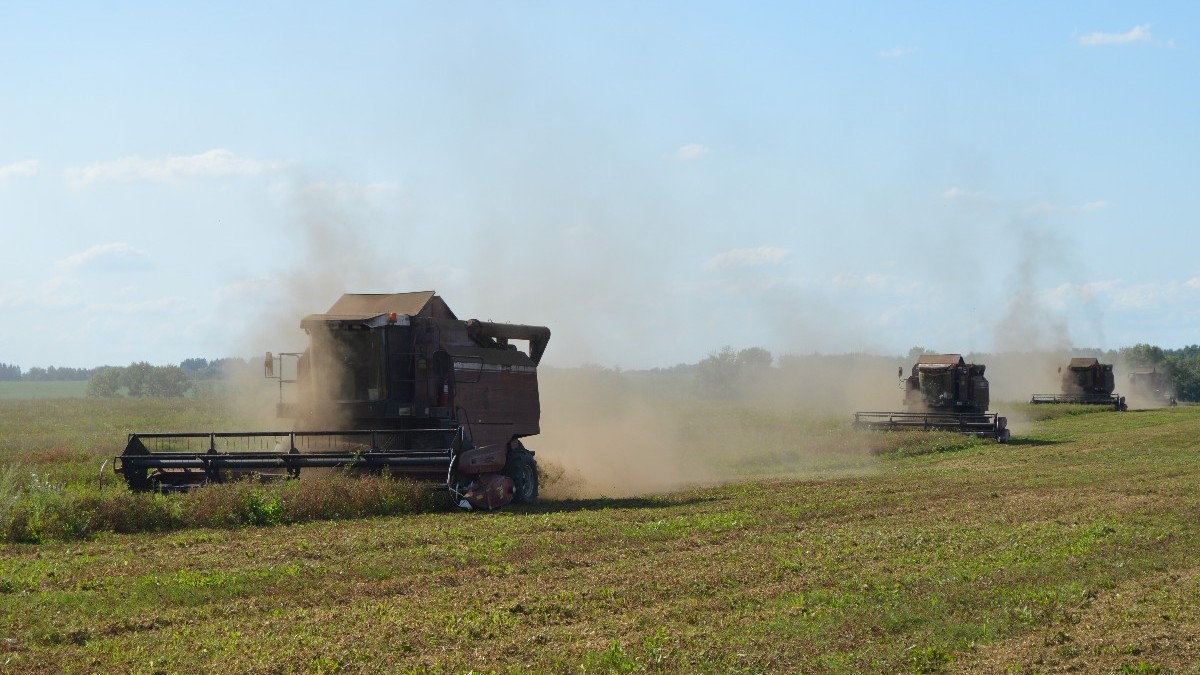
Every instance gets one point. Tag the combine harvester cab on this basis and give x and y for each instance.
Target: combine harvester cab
(390, 383)
(1088, 382)
(943, 393)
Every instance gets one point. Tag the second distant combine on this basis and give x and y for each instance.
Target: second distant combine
(1088, 382)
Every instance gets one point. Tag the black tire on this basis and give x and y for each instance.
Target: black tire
(522, 469)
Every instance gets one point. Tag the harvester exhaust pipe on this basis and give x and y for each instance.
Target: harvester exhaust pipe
(538, 336)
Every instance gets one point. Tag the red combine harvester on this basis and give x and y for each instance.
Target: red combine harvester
(390, 383)
(1086, 381)
(944, 393)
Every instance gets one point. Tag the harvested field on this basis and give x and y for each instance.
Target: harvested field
(1071, 549)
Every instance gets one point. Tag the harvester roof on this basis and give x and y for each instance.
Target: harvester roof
(940, 360)
(1083, 363)
(366, 306)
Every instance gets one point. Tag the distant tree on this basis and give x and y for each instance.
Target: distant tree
(135, 378)
(194, 366)
(105, 383)
(35, 374)
(726, 373)
(1184, 369)
(167, 381)
(9, 373)
(1143, 355)
(917, 352)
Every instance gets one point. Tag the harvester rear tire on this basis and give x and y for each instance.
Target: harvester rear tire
(522, 469)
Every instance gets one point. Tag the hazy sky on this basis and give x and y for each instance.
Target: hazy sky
(651, 180)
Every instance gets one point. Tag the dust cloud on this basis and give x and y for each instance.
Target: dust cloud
(618, 434)
(587, 268)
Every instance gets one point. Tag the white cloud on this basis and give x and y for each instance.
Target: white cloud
(213, 163)
(1118, 297)
(1046, 207)
(896, 52)
(1140, 33)
(27, 168)
(856, 281)
(155, 305)
(747, 257)
(959, 193)
(347, 190)
(106, 255)
(691, 152)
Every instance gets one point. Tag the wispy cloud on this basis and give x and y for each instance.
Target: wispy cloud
(691, 152)
(845, 280)
(1119, 297)
(27, 168)
(213, 163)
(960, 193)
(108, 256)
(896, 52)
(1046, 207)
(349, 190)
(747, 257)
(1139, 33)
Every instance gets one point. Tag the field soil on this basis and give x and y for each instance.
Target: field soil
(1072, 549)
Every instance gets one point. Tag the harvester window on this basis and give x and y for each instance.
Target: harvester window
(349, 365)
(936, 384)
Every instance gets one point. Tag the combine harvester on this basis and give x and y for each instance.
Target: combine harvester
(1088, 382)
(390, 383)
(944, 393)
(1149, 383)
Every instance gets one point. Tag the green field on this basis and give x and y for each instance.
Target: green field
(1071, 550)
(39, 390)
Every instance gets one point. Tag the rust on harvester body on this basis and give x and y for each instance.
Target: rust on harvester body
(1085, 381)
(391, 383)
(943, 393)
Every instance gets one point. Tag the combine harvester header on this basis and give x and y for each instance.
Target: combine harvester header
(943, 393)
(389, 382)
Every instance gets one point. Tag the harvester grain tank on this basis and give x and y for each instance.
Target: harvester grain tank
(1148, 382)
(1086, 381)
(389, 383)
(943, 393)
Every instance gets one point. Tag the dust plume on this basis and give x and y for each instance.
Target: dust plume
(333, 258)
(612, 433)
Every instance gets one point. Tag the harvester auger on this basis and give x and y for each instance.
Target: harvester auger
(390, 383)
(944, 393)
(1088, 382)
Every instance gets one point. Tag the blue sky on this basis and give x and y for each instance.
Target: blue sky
(651, 180)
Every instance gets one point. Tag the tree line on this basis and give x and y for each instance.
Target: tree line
(139, 379)
(728, 374)
(13, 373)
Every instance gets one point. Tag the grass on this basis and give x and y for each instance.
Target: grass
(40, 390)
(1073, 548)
